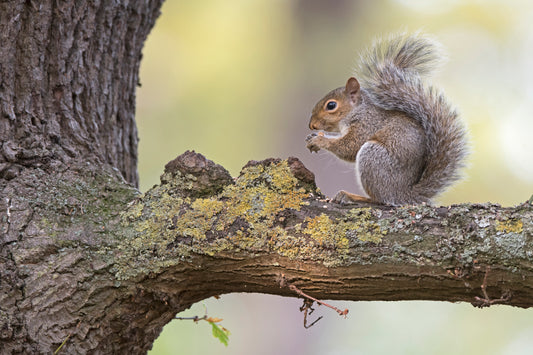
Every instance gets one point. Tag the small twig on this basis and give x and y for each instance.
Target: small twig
(307, 308)
(218, 331)
(484, 284)
(195, 318)
(301, 293)
(283, 283)
(486, 301)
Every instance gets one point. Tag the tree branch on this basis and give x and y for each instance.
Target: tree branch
(242, 235)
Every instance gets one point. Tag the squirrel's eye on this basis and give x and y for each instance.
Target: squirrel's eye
(331, 105)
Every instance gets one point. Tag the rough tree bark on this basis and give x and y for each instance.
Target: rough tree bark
(91, 266)
(68, 72)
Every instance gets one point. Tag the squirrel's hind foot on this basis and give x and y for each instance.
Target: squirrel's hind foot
(346, 198)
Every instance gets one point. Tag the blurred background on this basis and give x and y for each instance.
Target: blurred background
(236, 81)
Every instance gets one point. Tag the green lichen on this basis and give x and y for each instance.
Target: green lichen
(293, 246)
(337, 234)
(261, 192)
(245, 216)
(135, 211)
(199, 219)
(79, 200)
(241, 217)
(363, 223)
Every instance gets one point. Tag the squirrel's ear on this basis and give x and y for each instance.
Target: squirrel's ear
(352, 88)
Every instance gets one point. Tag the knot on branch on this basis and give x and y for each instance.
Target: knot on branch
(196, 176)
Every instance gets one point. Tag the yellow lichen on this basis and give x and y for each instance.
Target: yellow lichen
(326, 233)
(136, 210)
(321, 229)
(199, 219)
(256, 198)
(261, 192)
(292, 247)
(510, 226)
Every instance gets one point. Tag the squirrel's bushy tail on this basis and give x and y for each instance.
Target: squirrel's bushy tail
(391, 74)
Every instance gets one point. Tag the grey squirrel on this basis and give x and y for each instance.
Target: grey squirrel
(407, 141)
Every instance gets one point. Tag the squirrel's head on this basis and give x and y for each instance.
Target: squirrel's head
(335, 106)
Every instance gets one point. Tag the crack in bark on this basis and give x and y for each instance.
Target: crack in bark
(8, 213)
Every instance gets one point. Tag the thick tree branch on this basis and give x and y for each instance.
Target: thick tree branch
(243, 236)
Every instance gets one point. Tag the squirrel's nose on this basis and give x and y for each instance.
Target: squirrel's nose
(312, 126)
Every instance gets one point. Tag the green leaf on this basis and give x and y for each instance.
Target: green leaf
(220, 333)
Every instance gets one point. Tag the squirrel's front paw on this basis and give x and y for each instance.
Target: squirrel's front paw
(315, 142)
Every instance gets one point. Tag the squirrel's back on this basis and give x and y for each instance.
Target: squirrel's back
(391, 74)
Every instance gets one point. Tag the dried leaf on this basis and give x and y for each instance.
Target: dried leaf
(214, 319)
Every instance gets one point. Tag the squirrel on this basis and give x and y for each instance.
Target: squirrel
(406, 140)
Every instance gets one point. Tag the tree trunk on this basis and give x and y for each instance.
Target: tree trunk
(68, 73)
(90, 266)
